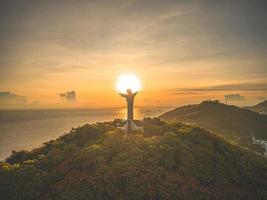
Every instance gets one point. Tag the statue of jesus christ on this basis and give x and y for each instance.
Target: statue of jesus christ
(130, 102)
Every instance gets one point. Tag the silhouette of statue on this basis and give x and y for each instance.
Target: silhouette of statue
(130, 102)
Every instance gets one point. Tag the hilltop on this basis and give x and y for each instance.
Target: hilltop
(260, 107)
(235, 124)
(166, 161)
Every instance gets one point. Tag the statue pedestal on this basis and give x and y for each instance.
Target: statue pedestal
(131, 126)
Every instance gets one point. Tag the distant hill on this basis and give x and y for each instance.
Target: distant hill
(166, 161)
(260, 107)
(233, 123)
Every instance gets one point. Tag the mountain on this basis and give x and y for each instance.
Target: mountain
(235, 124)
(166, 161)
(260, 107)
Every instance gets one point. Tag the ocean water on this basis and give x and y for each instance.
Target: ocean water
(27, 129)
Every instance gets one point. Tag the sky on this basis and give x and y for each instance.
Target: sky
(57, 54)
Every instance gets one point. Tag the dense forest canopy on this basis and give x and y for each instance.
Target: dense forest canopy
(165, 161)
(235, 124)
(260, 107)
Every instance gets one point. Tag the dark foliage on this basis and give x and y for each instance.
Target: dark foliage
(260, 107)
(166, 161)
(237, 125)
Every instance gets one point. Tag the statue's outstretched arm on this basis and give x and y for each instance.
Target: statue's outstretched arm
(123, 95)
(134, 94)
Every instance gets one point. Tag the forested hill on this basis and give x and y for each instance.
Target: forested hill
(233, 123)
(166, 161)
(260, 107)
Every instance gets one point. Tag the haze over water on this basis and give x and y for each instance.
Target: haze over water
(27, 129)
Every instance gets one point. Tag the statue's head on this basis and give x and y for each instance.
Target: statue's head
(129, 91)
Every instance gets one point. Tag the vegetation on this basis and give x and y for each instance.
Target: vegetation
(260, 107)
(166, 161)
(237, 125)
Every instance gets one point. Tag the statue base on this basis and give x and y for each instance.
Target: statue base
(131, 126)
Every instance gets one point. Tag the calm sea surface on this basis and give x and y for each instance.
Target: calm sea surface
(27, 129)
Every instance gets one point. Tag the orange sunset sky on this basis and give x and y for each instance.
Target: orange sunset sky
(182, 51)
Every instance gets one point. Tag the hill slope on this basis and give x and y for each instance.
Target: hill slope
(260, 107)
(231, 122)
(167, 161)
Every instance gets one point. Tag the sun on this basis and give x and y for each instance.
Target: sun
(128, 81)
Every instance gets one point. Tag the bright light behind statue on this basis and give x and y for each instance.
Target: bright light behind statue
(128, 81)
(128, 86)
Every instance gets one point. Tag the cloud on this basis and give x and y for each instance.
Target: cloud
(227, 87)
(35, 103)
(187, 41)
(188, 93)
(234, 97)
(7, 98)
(261, 98)
(69, 96)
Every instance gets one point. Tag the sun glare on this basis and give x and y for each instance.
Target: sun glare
(128, 81)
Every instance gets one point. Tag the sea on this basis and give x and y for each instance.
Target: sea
(28, 129)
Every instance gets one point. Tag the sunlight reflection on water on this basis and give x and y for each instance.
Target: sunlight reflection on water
(27, 129)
